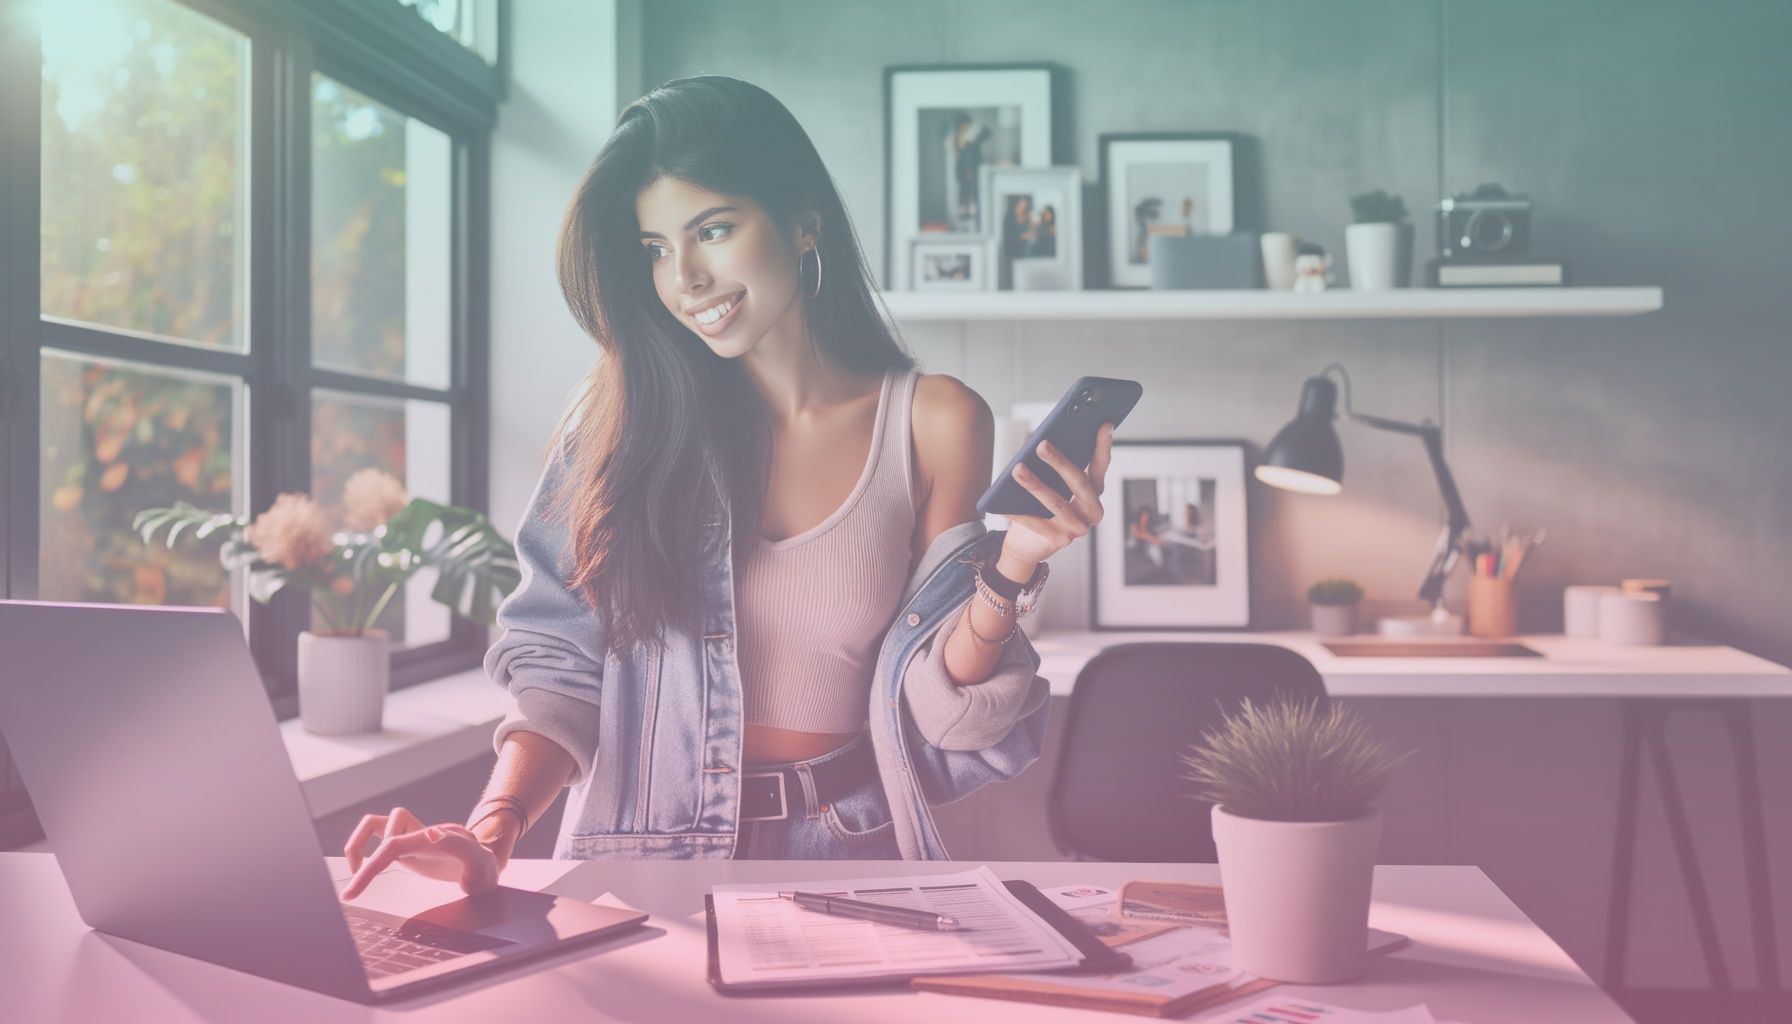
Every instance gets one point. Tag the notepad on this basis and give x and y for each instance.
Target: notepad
(763, 941)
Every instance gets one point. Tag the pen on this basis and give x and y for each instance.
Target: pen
(843, 907)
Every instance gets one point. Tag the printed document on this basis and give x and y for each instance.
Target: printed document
(762, 939)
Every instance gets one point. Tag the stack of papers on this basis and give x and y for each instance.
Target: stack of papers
(1176, 969)
(764, 940)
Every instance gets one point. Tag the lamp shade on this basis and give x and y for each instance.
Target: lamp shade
(1305, 455)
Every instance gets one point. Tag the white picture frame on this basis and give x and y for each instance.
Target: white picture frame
(952, 263)
(1187, 565)
(1174, 171)
(931, 111)
(1035, 216)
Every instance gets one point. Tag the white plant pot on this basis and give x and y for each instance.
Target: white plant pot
(1374, 253)
(342, 682)
(1297, 895)
(1333, 619)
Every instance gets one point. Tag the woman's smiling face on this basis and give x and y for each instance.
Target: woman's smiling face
(710, 252)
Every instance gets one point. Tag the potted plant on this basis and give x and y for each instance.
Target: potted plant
(352, 574)
(1379, 245)
(1292, 785)
(1332, 603)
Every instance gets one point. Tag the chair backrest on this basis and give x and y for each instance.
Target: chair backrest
(1120, 791)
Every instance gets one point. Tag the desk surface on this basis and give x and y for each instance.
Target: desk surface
(1569, 667)
(448, 721)
(1474, 958)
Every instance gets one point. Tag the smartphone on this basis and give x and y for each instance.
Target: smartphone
(1071, 427)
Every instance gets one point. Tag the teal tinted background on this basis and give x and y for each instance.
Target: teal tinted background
(1651, 136)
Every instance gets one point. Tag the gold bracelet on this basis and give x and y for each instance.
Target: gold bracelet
(993, 643)
(522, 818)
(503, 800)
(508, 799)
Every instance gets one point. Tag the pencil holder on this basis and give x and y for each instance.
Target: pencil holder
(1492, 606)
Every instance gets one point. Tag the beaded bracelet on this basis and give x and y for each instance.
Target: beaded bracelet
(993, 599)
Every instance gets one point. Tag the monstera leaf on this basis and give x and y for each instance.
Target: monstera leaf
(475, 566)
(265, 579)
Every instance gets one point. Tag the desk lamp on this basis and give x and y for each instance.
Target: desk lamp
(1305, 456)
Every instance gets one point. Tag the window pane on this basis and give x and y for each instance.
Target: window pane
(408, 439)
(380, 244)
(471, 23)
(145, 170)
(117, 439)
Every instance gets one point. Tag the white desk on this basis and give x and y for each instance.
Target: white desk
(1569, 667)
(1650, 683)
(1475, 957)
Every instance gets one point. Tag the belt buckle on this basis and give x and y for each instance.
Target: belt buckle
(783, 800)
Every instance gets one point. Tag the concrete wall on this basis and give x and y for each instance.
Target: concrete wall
(1649, 133)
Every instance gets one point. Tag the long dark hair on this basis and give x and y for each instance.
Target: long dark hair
(659, 405)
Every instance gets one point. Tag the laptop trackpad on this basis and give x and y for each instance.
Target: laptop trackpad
(519, 915)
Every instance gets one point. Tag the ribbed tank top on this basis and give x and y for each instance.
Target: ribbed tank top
(811, 610)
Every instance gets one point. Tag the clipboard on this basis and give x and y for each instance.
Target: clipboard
(1098, 957)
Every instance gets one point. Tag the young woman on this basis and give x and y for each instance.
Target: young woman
(759, 614)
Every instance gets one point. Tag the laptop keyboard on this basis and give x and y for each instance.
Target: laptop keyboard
(386, 950)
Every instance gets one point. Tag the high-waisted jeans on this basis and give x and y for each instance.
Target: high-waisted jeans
(856, 826)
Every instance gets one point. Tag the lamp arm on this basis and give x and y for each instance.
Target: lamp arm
(1449, 542)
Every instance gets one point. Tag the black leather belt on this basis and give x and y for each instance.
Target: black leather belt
(772, 794)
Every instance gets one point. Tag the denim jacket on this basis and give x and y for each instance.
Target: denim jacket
(656, 730)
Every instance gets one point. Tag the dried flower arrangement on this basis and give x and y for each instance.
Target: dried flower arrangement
(353, 573)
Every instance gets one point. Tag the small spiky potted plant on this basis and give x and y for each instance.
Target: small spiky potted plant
(352, 574)
(1332, 603)
(1379, 244)
(1293, 785)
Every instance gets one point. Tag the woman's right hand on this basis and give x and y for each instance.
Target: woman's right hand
(451, 853)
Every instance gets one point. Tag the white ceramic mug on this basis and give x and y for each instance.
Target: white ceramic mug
(1580, 608)
(1278, 259)
(1632, 618)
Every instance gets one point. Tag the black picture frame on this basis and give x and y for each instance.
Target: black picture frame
(1115, 275)
(1239, 614)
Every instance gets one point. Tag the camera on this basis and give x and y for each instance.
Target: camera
(1486, 222)
(1084, 401)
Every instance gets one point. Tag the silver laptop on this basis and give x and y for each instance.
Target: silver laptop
(146, 742)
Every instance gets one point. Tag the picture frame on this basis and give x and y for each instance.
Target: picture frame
(943, 123)
(952, 263)
(1035, 216)
(1171, 182)
(1174, 551)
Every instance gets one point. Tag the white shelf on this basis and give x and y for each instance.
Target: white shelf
(1569, 667)
(1263, 304)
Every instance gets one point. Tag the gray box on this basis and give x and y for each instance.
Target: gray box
(1205, 261)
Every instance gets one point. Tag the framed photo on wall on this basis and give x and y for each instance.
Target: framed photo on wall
(952, 263)
(943, 125)
(1035, 215)
(1173, 551)
(1163, 182)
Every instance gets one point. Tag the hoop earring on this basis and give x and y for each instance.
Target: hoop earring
(799, 270)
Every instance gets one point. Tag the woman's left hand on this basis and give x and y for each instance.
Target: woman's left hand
(1033, 539)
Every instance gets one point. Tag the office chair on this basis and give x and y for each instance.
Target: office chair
(1119, 791)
